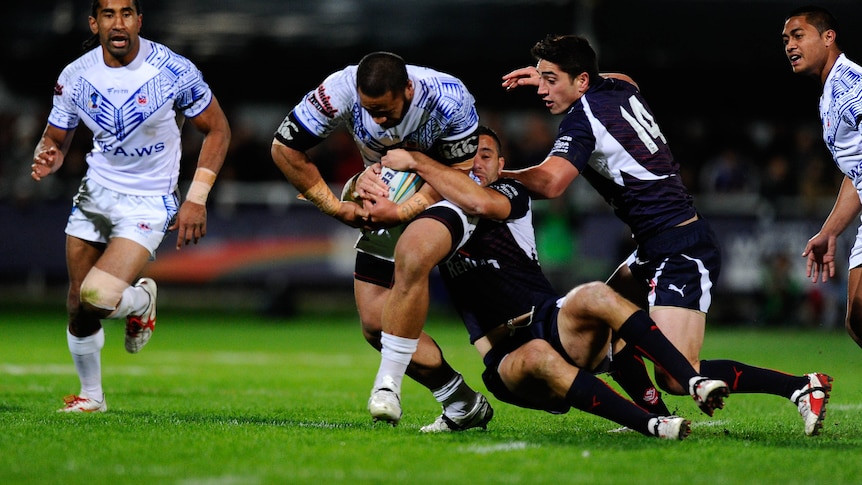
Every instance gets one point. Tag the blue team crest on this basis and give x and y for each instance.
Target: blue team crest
(94, 101)
(141, 99)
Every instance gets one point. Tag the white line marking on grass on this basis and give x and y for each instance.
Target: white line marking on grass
(225, 480)
(710, 424)
(513, 446)
(69, 369)
(324, 425)
(845, 407)
(36, 369)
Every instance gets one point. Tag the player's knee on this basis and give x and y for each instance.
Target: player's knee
(412, 264)
(537, 358)
(593, 296)
(101, 291)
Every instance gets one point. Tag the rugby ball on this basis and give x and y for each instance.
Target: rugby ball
(402, 185)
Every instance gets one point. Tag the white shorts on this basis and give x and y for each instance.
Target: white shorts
(380, 243)
(100, 214)
(856, 252)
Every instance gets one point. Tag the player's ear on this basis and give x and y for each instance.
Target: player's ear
(829, 37)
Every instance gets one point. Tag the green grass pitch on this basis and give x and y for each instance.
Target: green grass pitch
(234, 398)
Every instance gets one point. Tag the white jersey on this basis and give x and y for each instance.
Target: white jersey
(840, 112)
(439, 122)
(442, 110)
(134, 114)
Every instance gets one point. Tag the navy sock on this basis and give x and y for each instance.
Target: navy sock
(641, 332)
(593, 395)
(628, 370)
(744, 378)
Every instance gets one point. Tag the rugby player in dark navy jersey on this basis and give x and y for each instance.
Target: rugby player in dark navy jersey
(610, 135)
(540, 350)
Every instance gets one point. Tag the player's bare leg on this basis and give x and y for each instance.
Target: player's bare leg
(853, 323)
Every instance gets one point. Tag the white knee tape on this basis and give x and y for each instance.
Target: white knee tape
(102, 290)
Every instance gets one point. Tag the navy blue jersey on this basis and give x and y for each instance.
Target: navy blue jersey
(611, 136)
(495, 275)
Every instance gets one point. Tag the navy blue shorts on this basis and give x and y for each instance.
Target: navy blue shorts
(544, 327)
(374, 270)
(680, 266)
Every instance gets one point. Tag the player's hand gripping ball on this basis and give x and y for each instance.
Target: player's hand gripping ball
(402, 185)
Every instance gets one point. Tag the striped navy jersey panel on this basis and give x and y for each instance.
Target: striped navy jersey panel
(611, 136)
(496, 274)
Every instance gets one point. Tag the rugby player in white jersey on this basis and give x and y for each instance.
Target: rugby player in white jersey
(386, 103)
(609, 135)
(132, 94)
(811, 44)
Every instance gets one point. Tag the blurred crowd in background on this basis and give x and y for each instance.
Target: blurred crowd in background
(772, 167)
(767, 171)
(744, 130)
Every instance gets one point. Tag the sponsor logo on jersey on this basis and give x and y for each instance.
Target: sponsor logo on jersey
(322, 102)
(460, 265)
(561, 144)
(131, 151)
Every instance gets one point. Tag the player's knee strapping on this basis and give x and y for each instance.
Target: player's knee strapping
(101, 289)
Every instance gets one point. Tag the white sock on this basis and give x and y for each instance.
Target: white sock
(86, 354)
(394, 358)
(133, 302)
(455, 396)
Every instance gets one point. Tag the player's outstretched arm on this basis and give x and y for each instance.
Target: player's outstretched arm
(452, 184)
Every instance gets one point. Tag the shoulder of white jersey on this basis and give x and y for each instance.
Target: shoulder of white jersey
(335, 96)
(434, 90)
(432, 77)
(82, 63)
(159, 55)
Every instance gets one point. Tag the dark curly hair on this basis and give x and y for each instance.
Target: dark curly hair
(572, 53)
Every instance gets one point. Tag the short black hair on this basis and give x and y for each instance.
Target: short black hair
(93, 40)
(379, 73)
(97, 4)
(821, 18)
(572, 53)
(485, 130)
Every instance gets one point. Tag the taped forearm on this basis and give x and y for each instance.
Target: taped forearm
(321, 196)
(201, 185)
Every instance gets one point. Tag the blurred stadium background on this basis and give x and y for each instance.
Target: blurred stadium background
(744, 129)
